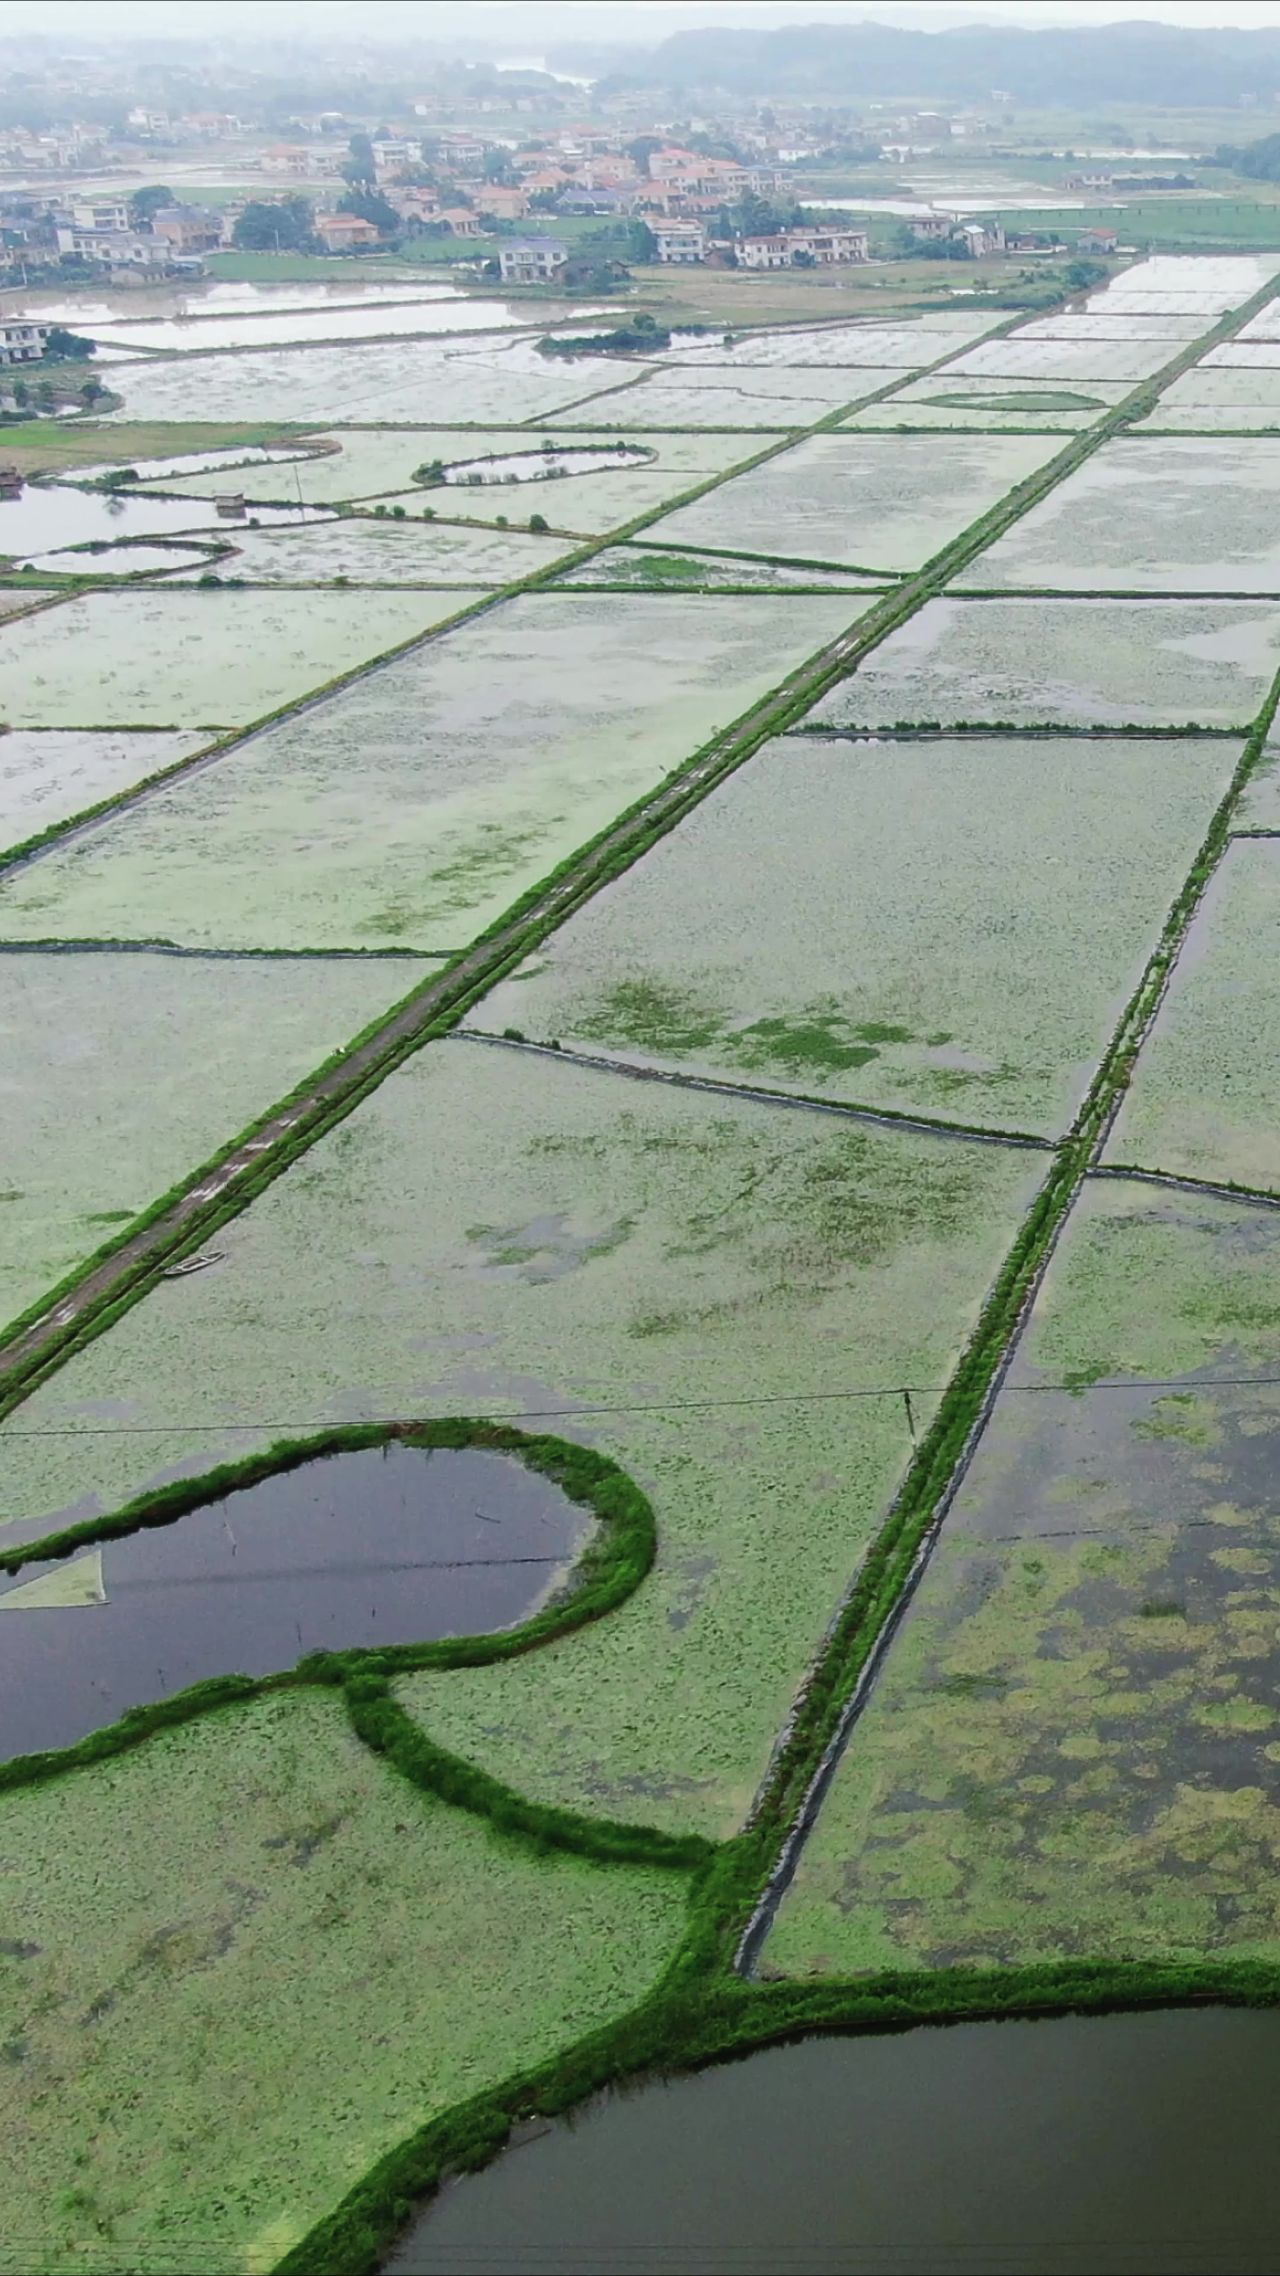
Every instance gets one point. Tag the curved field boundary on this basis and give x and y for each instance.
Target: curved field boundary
(610, 1569)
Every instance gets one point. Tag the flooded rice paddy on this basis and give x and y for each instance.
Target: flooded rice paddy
(944, 925)
(192, 334)
(391, 1545)
(1074, 663)
(486, 757)
(120, 561)
(49, 517)
(1070, 1749)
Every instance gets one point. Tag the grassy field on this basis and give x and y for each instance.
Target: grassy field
(494, 1231)
(1204, 1101)
(484, 759)
(177, 1054)
(40, 446)
(938, 927)
(302, 1939)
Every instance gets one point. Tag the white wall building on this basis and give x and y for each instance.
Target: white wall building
(679, 242)
(22, 343)
(532, 260)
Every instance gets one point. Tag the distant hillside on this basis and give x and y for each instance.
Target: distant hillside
(1054, 68)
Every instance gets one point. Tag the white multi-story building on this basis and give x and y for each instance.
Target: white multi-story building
(22, 343)
(101, 213)
(114, 248)
(824, 247)
(679, 242)
(532, 260)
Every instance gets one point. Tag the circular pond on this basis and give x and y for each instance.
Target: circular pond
(389, 1545)
(544, 465)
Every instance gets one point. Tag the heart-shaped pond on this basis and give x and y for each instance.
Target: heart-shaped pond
(392, 1544)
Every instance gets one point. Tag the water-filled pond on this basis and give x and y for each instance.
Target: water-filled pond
(545, 465)
(45, 519)
(292, 327)
(389, 1545)
(134, 303)
(196, 462)
(1125, 2143)
(120, 561)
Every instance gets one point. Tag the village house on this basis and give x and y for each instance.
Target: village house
(100, 213)
(346, 233)
(502, 202)
(112, 248)
(460, 221)
(188, 228)
(22, 343)
(532, 260)
(829, 248)
(826, 248)
(679, 242)
(772, 252)
(1097, 241)
(416, 203)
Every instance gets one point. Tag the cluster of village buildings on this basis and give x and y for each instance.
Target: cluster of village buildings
(460, 181)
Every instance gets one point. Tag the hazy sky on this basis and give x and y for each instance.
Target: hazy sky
(524, 27)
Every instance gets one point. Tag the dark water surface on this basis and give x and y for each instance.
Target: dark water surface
(391, 1545)
(1123, 2144)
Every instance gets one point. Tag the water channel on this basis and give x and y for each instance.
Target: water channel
(389, 1545)
(1120, 2145)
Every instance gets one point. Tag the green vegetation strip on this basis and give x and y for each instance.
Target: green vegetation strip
(171, 1227)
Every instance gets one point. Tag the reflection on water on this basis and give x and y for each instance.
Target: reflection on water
(49, 519)
(1127, 2144)
(391, 1545)
(120, 561)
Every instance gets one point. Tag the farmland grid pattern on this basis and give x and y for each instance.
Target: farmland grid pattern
(710, 1997)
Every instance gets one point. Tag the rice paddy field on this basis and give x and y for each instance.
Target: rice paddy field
(971, 917)
(772, 1033)
(572, 1241)
(883, 504)
(122, 1072)
(484, 758)
(1192, 516)
(191, 1983)
(1071, 1749)
(1203, 1101)
(169, 658)
(48, 774)
(1066, 663)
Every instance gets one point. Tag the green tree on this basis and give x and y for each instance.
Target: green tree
(359, 164)
(642, 149)
(285, 225)
(147, 201)
(67, 347)
(90, 392)
(368, 205)
(496, 166)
